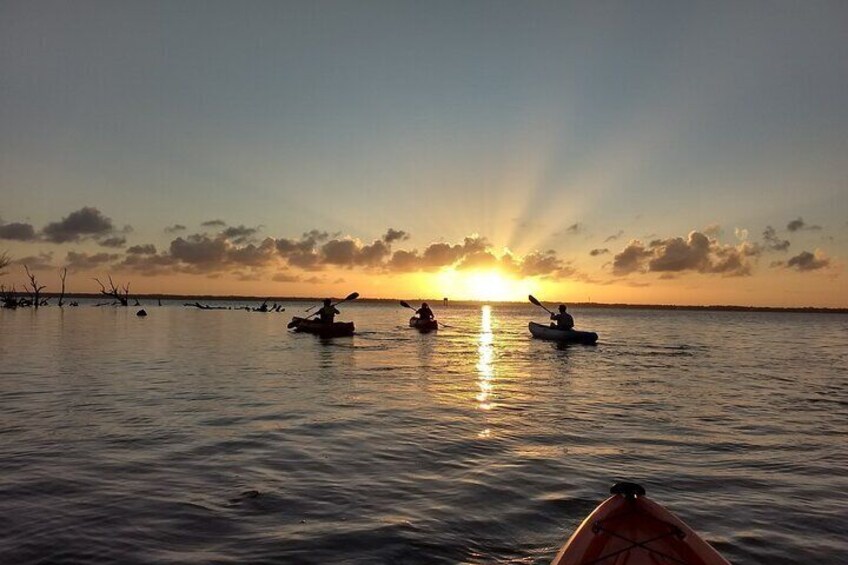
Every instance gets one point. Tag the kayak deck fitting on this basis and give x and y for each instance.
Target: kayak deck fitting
(629, 528)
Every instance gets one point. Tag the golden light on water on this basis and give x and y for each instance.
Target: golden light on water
(485, 366)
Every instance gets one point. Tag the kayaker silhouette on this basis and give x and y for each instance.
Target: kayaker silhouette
(425, 313)
(328, 312)
(563, 320)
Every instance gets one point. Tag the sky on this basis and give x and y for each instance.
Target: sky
(643, 153)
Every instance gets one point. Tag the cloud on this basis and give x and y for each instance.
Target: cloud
(537, 264)
(40, 261)
(574, 228)
(85, 262)
(614, 236)
(115, 241)
(146, 249)
(601, 251)
(773, 242)
(214, 224)
(404, 261)
(84, 223)
(697, 253)
(799, 224)
(175, 228)
(315, 250)
(712, 230)
(806, 261)
(630, 259)
(240, 234)
(17, 231)
(393, 235)
(285, 277)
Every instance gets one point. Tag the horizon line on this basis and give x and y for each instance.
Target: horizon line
(600, 305)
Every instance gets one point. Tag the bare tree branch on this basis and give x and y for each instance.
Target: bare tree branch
(5, 260)
(115, 292)
(63, 275)
(34, 289)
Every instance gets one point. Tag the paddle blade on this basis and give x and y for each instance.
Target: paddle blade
(352, 296)
(534, 301)
(292, 324)
(405, 304)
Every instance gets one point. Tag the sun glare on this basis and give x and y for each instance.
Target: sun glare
(490, 285)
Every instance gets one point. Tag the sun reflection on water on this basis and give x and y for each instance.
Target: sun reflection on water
(485, 365)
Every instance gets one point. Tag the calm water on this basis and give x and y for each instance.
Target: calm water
(217, 437)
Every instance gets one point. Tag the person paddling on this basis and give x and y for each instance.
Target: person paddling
(328, 312)
(425, 313)
(563, 320)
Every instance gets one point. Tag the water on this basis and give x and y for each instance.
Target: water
(217, 437)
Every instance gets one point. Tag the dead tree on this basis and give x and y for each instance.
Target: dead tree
(9, 297)
(63, 275)
(115, 292)
(5, 260)
(34, 289)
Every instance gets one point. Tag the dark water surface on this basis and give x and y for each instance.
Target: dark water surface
(217, 437)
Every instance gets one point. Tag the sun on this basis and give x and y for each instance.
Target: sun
(489, 285)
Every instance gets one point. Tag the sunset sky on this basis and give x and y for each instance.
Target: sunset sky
(650, 152)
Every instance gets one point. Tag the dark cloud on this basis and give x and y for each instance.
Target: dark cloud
(147, 249)
(478, 259)
(199, 250)
(85, 222)
(773, 242)
(175, 228)
(799, 224)
(40, 261)
(214, 224)
(393, 235)
(85, 262)
(614, 236)
(405, 261)
(117, 241)
(538, 264)
(601, 251)
(240, 234)
(302, 252)
(574, 228)
(630, 259)
(285, 277)
(806, 261)
(697, 253)
(316, 250)
(17, 231)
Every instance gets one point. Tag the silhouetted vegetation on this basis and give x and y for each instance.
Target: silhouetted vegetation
(34, 290)
(120, 295)
(63, 274)
(262, 308)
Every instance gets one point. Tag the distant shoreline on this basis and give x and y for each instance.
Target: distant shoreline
(599, 305)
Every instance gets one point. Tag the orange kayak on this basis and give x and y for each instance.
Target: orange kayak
(629, 528)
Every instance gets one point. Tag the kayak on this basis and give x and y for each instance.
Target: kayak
(423, 326)
(336, 329)
(630, 528)
(542, 331)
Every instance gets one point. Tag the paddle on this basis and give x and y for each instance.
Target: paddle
(351, 296)
(537, 303)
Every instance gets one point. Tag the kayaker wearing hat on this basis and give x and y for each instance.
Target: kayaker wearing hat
(564, 321)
